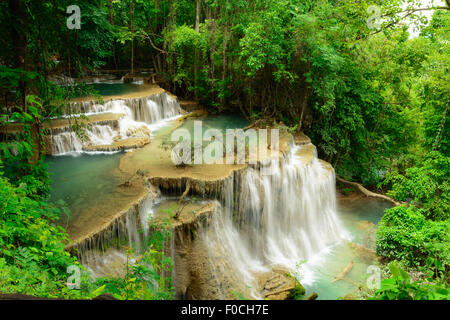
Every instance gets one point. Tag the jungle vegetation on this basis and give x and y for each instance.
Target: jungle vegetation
(374, 100)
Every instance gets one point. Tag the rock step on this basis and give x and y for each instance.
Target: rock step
(189, 105)
(124, 144)
(301, 139)
(62, 123)
(305, 154)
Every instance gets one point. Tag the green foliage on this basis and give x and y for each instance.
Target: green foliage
(425, 185)
(374, 102)
(400, 287)
(95, 40)
(404, 233)
(298, 292)
(25, 222)
(148, 277)
(32, 255)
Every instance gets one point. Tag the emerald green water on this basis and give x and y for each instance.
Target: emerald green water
(328, 267)
(112, 89)
(82, 181)
(221, 122)
(85, 180)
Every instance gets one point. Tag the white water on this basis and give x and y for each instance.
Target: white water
(69, 142)
(112, 260)
(261, 221)
(65, 142)
(280, 219)
(137, 113)
(100, 135)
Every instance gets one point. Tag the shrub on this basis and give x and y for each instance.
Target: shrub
(404, 233)
(400, 287)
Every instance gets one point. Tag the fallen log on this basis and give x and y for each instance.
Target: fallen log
(343, 272)
(363, 249)
(366, 192)
(312, 296)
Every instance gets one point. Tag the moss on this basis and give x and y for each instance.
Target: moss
(298, 292)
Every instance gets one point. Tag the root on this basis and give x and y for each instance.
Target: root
(188, 187)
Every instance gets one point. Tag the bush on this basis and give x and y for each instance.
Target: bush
(400, 287)
(425, 185)
(404, 233)
(32, 256)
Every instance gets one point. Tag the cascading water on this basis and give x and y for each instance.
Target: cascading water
(261, 221)
(65, 142)
(153, 109)
(101, 258)
(68, 141)
(279, 219)
(148, 109)
(137, 113)
(100, 135)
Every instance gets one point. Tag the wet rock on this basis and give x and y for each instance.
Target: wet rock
(364, 225)
(312, 296)
(301, 139)
(278, 284)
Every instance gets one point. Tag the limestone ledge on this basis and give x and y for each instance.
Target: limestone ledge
(106, 231)
(147, 90)
(59, 125)
(125, 144)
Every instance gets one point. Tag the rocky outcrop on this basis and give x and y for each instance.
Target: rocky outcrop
(279, 284)
(140, 137)
(189, 105)
(203, 269)
(125, 144)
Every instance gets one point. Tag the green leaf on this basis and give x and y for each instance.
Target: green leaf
(99, 291)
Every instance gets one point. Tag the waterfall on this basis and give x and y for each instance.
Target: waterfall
(100, 135)
(137, 224)
(153, 108)
(104, 254)
(147, 109)
(85, 107)
(67, 141)
(137, 113)
(261, 221)
(280, 219)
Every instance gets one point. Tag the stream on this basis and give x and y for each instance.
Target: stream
(310, 234)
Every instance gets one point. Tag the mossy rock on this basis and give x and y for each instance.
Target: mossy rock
(298, 292)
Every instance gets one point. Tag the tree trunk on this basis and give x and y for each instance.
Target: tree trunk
(131, 29)
(19, 38)
(111, 22)
(197, 17)
(156, 16)
(196, 54)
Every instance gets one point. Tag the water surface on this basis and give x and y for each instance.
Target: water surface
(360, 218)
(82, 180)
